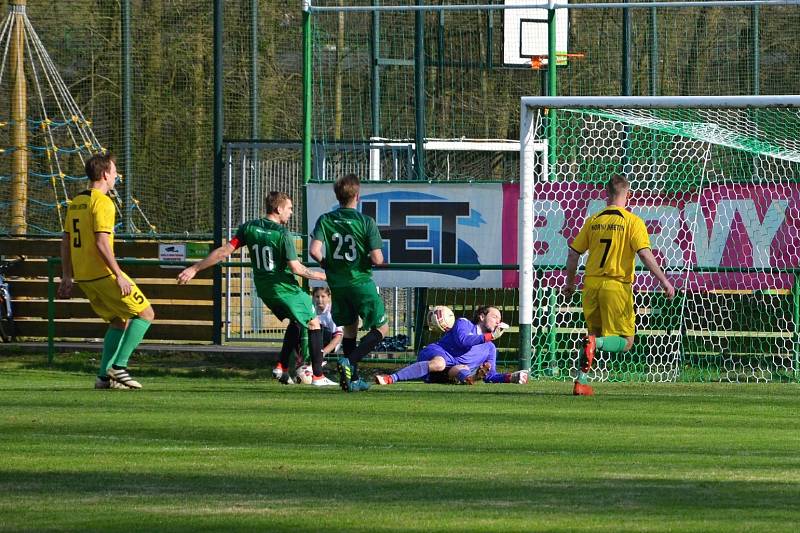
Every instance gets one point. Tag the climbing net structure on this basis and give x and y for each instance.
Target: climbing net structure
(44, 140)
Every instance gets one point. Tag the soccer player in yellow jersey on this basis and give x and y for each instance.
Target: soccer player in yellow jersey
(613, 237)
(87, 257)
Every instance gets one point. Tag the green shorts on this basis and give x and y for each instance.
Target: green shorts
(292, 304)
(349, 303)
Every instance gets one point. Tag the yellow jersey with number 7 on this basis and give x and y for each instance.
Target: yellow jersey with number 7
(613, 237)
(88, 213)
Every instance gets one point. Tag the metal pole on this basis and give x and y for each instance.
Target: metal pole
(419, 141)
(626, 83)
(626, 52)
(525, 244)
(552, 90)
(796, 301)
(419, 91)
(552, 87)
(550, 4)
(228, 223)
(552, 341)
(648, 102)
(218, 131)
(307, 95)
(375, 92)
(255, 177)
(19, 118)
(243, 164)
(127, 90)
(654, 59)
(755, 30)
(254, 69)
(654, 74)
(307, 139)
(51, 309)
(376, 72)
(440, 43)
(552, 59)
(489, 40)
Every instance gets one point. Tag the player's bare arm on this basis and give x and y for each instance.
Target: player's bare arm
(376, 256)
(315, 250)
(65, 287)
(649, 260)
(331, 346)
(107, 254)
(217, 255)
(301, 270)
(572, 270)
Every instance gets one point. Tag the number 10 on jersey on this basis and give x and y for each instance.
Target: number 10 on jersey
(264, 258)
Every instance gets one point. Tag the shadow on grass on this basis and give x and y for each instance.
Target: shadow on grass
(148, 365)
(652, 496)
(176, 364)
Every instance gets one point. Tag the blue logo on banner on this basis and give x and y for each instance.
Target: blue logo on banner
(421, 228)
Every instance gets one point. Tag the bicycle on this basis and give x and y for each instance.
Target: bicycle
(8, 331)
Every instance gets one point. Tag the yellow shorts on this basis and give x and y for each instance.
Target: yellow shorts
(608, 307)
(108, 302)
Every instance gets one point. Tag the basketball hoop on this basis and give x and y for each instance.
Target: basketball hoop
(538, 61)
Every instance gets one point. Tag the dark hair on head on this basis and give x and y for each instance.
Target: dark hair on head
(481, 311)
(275, 199)
(616, 185)
(98, 164)
(326, 290)
(346, 188)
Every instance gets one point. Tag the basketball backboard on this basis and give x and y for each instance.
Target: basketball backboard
(525, 34)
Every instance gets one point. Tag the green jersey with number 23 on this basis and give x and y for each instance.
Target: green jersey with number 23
(348, 236)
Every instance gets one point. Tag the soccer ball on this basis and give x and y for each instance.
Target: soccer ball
(304, 375)
(440, 318)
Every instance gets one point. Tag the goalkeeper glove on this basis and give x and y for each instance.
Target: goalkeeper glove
(499, 330)
(520, 376)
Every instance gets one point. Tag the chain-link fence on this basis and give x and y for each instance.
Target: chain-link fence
(364, 64)
(468, 92)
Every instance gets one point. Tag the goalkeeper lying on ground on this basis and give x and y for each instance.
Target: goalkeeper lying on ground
(465, 354)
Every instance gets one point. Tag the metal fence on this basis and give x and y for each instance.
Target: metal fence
(157, 114)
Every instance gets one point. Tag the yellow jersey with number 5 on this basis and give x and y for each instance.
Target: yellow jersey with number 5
(88, 213)
(613, 237)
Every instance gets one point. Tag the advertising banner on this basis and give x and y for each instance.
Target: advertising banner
(432, 224)
(724, 226)
(741, 226)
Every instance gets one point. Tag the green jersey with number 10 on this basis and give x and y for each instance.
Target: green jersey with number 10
(349, 237)
(271, 247)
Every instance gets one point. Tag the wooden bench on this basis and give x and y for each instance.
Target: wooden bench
(183, 313)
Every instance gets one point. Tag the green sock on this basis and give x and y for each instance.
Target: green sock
(134, 334)
(613, 344)
(110, 345)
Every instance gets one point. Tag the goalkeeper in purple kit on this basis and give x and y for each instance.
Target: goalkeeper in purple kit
(465, 354)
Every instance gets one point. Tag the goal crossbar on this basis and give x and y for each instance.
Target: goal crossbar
(658, 102)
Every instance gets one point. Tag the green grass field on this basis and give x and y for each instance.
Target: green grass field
(231, 452)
